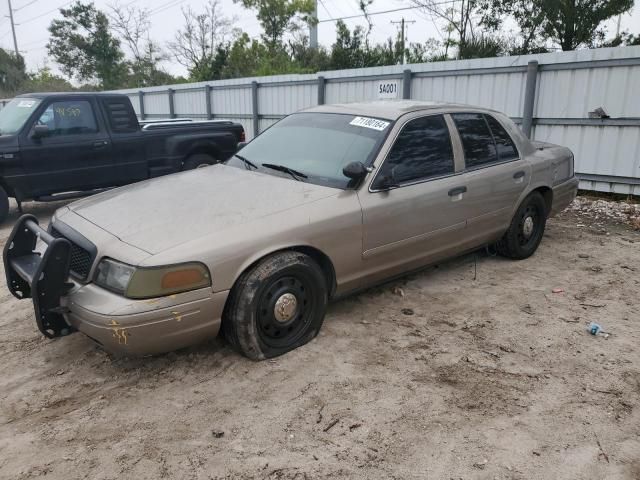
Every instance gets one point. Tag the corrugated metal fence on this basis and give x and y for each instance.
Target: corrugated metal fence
(551, 95)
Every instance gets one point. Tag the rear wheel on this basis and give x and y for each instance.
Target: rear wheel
(277, 306)
(526, 229)
(4, 205)
(198, 160)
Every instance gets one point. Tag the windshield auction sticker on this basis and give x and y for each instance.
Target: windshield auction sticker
(26, 103)
(372, 123)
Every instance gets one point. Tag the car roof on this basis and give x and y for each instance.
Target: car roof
(391, 109)
(66, 94)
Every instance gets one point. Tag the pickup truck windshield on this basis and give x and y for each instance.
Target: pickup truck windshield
(15, 113)
(318, 145)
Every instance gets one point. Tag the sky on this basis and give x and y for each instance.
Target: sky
(32, 17)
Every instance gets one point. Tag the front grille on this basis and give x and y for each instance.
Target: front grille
(81, 259)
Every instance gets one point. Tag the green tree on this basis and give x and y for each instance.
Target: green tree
(200, 44)
(242, 57)
(568, 23)
(132, 25)
(574, 23)
(12, 73)
(82, 44)
(459, 17)
(278, 17)
(45, 81)
(622, 40)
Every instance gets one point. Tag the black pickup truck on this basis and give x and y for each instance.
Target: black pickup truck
(63, 145)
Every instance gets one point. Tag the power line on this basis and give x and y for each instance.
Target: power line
(371, 14)
(326, 9)
(25, 5)
(166, 6)
(45, 13)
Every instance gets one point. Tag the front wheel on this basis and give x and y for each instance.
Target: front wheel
(277, 306)
(526, 230)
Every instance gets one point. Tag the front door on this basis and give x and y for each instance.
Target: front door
(412, 211)
(74, 155)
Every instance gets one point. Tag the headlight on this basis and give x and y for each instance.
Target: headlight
(151, 282)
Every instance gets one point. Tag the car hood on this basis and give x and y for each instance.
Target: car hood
(163, 213)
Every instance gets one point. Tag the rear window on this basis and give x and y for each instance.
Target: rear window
(504, 144)
(477, 140)
(122, 118)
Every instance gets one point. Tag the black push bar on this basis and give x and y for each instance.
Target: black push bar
(43, 277)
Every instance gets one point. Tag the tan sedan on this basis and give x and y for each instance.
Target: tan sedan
(322, 204)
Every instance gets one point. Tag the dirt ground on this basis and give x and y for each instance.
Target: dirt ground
(438, 376)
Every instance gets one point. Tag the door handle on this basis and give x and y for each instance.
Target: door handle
(100, 144)
(454, 192)
(519, 175)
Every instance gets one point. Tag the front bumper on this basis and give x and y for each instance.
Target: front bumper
(144, 327)
(120, 325)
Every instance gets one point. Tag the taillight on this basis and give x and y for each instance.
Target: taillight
(243, 137)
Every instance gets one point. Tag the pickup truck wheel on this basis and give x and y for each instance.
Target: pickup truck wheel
(198, 160)
(276, 306)
(4, 205)
(526, 229)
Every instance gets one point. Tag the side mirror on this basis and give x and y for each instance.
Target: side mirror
(356, 171)
(40, 131)
(241, 145)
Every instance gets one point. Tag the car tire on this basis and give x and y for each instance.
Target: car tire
(198, 160)
(276, 306)
(4, 205)
(526, 230)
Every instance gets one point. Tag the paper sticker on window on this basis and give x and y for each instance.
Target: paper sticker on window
(372, 123)
(26, 103)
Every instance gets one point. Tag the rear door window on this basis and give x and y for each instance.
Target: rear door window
(477, 139)
(504, 143)
(69, 118)
(421, 151)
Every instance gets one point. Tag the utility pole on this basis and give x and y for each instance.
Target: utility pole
(404, 27)
(313, 27)
(619, 22)
(13, 30)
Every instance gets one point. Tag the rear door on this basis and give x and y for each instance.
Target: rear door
(75, 155)
(421, 215)
(495, 174)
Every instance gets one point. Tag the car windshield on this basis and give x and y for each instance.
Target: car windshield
(316, 145)
(15, 113)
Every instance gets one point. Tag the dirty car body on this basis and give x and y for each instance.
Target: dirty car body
(324, 203)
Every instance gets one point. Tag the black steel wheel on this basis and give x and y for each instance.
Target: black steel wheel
(277, 306)
(526, 230)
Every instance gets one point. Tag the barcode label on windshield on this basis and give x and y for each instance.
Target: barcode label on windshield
(26, 103)
(372, 123)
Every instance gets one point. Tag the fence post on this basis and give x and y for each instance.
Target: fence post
(322, 83)
(406, 84)
(529, 97)
(254, 104)
(207, 96)
(141, 103)
(172, 109)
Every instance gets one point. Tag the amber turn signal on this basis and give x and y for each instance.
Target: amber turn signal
(182, 278)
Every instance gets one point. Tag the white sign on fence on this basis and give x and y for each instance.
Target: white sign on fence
(387, 89)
